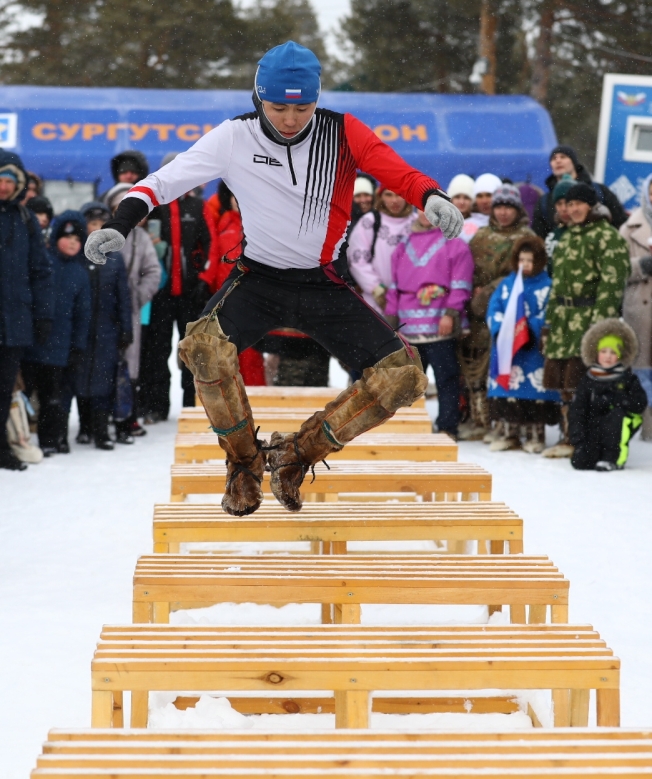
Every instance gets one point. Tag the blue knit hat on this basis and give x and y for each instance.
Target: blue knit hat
(288, 74)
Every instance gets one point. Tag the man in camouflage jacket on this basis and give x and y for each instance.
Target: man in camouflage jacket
(590, 266)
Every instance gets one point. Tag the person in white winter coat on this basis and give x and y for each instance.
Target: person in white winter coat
(372, 244)
(143, 276)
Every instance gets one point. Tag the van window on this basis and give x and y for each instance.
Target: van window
(65, 194)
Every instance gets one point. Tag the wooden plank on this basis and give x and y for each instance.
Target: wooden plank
(352, 708)
(298, 397)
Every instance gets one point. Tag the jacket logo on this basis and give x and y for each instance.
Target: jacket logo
(261, 159)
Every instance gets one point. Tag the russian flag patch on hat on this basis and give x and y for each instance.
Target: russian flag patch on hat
(293, 94)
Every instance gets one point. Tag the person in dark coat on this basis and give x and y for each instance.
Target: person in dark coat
(563, 161)
(26, 291)
(609, 401)
(44, 367)
(181, 300)
(109, 334)
(129, 166)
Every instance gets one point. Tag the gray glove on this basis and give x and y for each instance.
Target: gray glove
(443, 214)
(101, 242)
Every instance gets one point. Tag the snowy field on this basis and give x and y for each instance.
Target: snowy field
(72, 528)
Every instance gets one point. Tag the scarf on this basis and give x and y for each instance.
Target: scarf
(599, 373)
(645, 199)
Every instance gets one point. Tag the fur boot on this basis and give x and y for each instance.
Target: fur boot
(563, 448)
(535, 438)
(510, 439)
(495, 433)
(396, 381)
(479, 409)
(213, 361)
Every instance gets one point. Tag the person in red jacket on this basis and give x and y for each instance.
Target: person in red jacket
(292, 167)
(223, 217)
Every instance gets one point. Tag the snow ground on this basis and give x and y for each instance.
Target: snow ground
(72, 528)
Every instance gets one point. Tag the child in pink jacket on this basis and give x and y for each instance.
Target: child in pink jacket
(432, 279)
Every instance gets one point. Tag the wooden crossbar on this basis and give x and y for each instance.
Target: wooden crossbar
(330, 528)
(354, 661)
(297, 397)
(406, 420)
(169, 582)
(553, 753)
(419, 447)
(430, 480)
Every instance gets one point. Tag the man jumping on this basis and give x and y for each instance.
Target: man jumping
(291, 167)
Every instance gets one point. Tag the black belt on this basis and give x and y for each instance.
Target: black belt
(564, 300)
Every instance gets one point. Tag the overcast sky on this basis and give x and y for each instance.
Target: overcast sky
(328, 13)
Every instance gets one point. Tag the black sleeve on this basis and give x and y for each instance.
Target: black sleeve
(578, 412)
(618, 213)
(539, 222)
(636, 398)
(131, 211)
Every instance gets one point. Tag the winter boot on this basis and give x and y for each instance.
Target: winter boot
(509, 440)
(395, 381)
(563, 448)
(101, 430)
(213, 361)
(123, 432)
(535, 438)
(10, 462)
(85, 434)
(479, 409)
(496, 433)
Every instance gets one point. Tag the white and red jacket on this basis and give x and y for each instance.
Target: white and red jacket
(296, 200)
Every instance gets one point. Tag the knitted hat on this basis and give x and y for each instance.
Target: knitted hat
(289, 73)
(561, 188)
(583, 192)
(461, 185)
(114, 196)
(569, 151)
(507, 195)
(67, 228)
(8, 174)
(487, 182)
(363, 186)
(611, 342)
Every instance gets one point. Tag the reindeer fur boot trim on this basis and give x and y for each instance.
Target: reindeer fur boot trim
(396, 381)
(213, 361)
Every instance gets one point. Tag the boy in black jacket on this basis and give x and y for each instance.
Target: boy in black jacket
(609, 401)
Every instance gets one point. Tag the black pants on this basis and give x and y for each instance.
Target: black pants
(47, 380)
(442, 356)
(267, 298)
(606, 439)
(9, 366)
(155, 352)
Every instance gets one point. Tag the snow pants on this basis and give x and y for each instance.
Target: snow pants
(442, 356)
(154, 378)
(257, 298)
(606, 439)
(47, 380)
(9, 367)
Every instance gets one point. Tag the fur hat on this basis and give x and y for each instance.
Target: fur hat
(609, 327)
(534, 244)
(129, 160)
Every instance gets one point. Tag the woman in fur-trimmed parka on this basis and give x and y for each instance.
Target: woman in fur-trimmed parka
(609, 400)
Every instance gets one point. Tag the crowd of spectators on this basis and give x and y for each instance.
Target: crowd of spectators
(103, 334)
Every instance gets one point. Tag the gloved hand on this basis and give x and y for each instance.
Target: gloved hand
(101, 242)
(443, 214)
(380, 295)
(42, 330)
(646, 265)
(201, 294)
(75, 357)
(125, 340)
